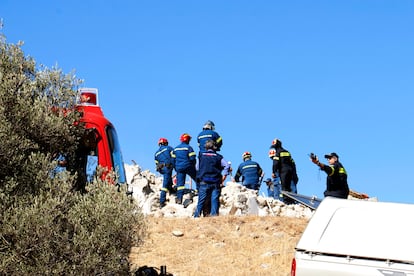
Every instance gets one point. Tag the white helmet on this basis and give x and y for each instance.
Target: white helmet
(209, 125)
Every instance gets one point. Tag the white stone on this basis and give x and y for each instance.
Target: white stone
(235, 199)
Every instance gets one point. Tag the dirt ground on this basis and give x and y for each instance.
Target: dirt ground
(224, 245)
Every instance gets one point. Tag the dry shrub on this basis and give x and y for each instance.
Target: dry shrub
(71, 234)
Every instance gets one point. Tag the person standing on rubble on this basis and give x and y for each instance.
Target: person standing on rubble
(295, 179)
(209, 133)
(337, 178)
(283, 166)
(273, 188)
(249, 172)
(164, 165)
(184, 160)
(212, 171)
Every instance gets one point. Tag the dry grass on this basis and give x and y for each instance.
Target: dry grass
(224, 245)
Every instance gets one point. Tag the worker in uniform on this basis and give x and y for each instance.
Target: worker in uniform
(212, 172)
(283, 166)
(249, 172)
(209, 133)
(184, 159)
(337, 178)
(272, 189)
(295, 179)
(164, 165)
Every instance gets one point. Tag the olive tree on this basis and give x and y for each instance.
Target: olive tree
(45, 226)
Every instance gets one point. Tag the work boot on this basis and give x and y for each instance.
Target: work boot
(187, 202)
(179, 200)
(162, 205)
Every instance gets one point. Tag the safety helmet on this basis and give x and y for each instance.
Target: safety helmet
(185, 138)
(246, 155)
(209, 125)
(276, 142)
(272, 153)
(163, 141)
(210, 144)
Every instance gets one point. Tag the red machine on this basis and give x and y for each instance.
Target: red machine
(107, 153)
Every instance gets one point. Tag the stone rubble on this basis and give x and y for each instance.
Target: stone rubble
(235, 199)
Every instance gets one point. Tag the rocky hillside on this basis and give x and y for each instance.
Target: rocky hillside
(253, 235)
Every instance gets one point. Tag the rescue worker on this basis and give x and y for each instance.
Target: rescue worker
(295, 179)
(212, 172)
(164, 165)
(283, 166)
(61, 163)
(249, 172)
(77, 162)
(209, 133)
(184, 160)
(272, 189)
(337, 179)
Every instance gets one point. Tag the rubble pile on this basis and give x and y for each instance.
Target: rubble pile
(235, 199)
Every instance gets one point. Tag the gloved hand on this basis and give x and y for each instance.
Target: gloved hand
(315, 160)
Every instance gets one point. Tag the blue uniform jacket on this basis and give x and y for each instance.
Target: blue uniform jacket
(211, 167)
(206, 135)
(163, 157)
(250, 172)
(184, 157)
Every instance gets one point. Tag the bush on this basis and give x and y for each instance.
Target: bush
(69, 233)
(45, 227)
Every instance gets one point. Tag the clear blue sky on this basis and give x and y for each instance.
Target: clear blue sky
(321, 76)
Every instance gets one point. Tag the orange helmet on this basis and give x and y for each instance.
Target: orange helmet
(246, 155)
(185, 138)
(163, 141)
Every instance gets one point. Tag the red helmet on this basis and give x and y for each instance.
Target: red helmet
(185, 138)
(272, 153)
(246, 155)
(163, 141)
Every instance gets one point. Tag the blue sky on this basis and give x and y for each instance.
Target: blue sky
(322, 76)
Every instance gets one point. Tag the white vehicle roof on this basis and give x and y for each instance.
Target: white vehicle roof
(381, 230)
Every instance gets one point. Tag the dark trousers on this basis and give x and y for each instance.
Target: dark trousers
(206, 193)
(181, 175)
(286, 182)
(166, 183)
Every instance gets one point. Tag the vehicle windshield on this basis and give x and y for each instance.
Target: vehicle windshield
(116, 154)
